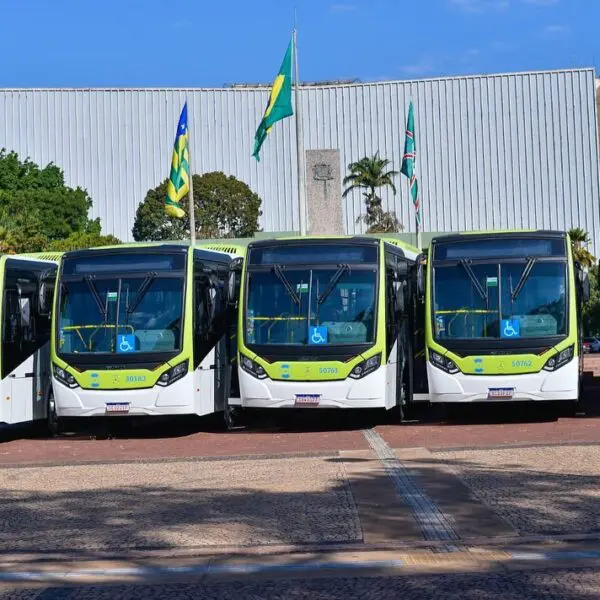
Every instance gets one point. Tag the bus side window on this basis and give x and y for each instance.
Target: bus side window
(391, 304)
(20, 320)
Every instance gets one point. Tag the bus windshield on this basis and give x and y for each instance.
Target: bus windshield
(309, 306)
(120, 315)
(500, 299)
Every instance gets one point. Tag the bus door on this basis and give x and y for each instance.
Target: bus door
(418, 283)
(210, 340)
(25, 357)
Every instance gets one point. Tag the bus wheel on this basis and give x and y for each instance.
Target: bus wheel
(232, 418)
(406, 409)
(54, 424)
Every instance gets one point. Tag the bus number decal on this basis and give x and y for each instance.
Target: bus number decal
(522, 363)
(135, 378)
(328, 370)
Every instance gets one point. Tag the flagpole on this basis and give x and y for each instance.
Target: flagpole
(299, 142)
(191, 192)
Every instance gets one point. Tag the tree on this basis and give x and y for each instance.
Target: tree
(20, 232)
(580, 239)
(37, 209)
(224, 206)
(25, 187)
(370, 174)
(83, 239)
(591, 309)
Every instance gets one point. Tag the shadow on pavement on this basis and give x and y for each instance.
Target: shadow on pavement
(84, 510)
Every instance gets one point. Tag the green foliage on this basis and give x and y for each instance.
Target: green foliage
(38, 211)
(591, 309)
(225, 207)
(20, 232)
(82, 239)
(370, 174)
(580, 239)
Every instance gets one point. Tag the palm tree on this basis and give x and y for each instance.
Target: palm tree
(579, 239)
(370, 174)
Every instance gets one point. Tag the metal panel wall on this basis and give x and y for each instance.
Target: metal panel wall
(494, 152)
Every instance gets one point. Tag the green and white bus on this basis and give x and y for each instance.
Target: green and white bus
(140, 330)
(504, 317)
(25, 280)
(325, 322)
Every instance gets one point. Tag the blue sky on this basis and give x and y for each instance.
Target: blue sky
(198, 43)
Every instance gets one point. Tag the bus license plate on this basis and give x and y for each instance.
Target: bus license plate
(503, 393)
(308, 399)
(117, 407)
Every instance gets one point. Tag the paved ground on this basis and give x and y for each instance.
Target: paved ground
(549, 584)
(176, 505)
(289, 482)
(540, 490)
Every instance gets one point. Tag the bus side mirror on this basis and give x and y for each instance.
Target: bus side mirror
(402, 269)
(231, 287)
(585, 286)
(43, 299)
(24, 309)
(421, 276)
(233, 282)
(46, 293)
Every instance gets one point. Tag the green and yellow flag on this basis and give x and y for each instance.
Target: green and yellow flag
(179, 180)
(279, 105)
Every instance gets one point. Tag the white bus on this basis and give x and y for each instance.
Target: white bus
(325, 322)
(504, 317)
(140, 330)
(25, 280)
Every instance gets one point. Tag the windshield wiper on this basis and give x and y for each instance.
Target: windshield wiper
(332, 283)
(286, 284)
(524, 276)
(141, 293)
(467, 267)
(101, 305)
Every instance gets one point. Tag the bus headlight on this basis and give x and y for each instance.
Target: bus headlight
(173, 374)
(443, 363)
(252, 367)
(560, 359)
(366, 367)
(64, 377)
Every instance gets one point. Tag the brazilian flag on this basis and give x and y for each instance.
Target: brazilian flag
(280, 101)
(179, 180)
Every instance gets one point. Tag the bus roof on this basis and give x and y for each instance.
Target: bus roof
(48, 256)
(515, 233)
(140, 247)
(355, 239)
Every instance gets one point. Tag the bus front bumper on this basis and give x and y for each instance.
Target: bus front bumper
(368, 392)
(562, 384)
(175, 399)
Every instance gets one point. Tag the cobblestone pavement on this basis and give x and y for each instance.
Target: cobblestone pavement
(539, 490)
(210, 503)
(562, 584)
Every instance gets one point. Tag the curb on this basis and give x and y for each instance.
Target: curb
(402, 561)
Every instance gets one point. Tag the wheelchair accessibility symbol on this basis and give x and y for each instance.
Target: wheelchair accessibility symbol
(317, 335)
(510, 328)
(126, 343)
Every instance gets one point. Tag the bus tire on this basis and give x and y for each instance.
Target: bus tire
(53, 420)
(405, 391)
(232, 417)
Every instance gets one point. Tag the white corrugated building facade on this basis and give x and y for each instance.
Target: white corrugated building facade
(494, 152)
